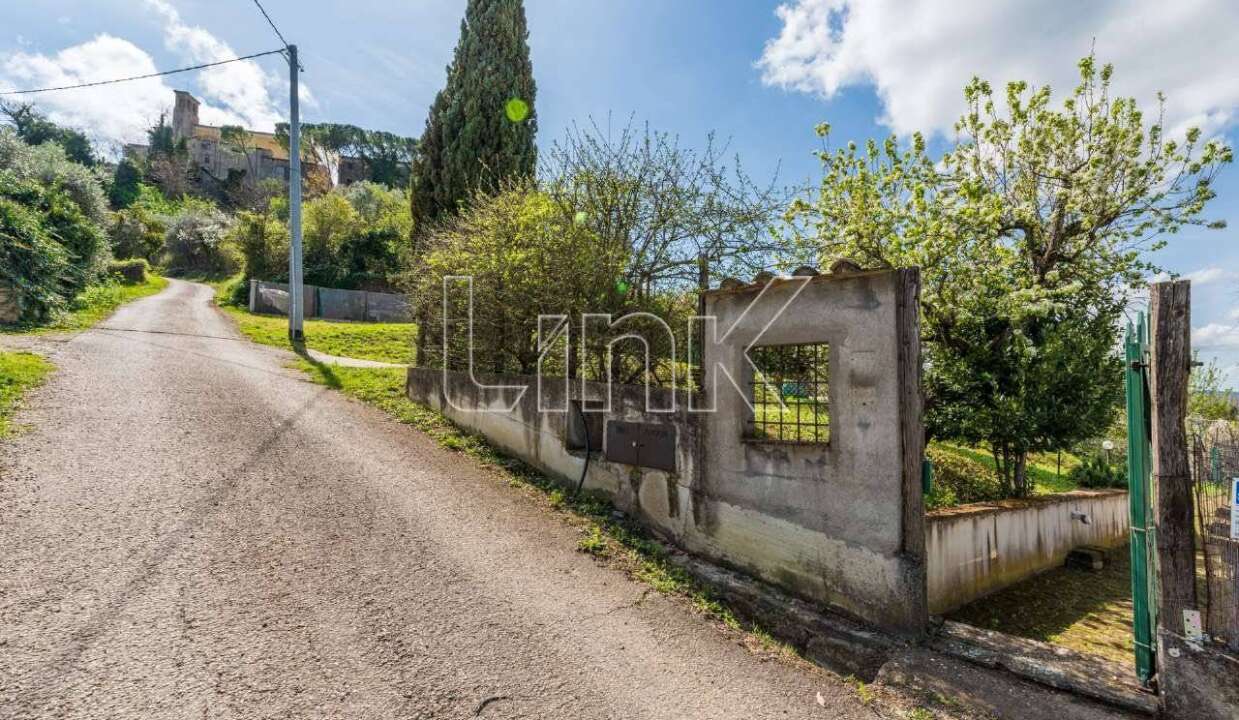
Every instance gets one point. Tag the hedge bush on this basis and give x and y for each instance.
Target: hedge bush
(132, 271)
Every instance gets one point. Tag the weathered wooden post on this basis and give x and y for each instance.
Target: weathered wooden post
(1194, 681)
(1170, 363)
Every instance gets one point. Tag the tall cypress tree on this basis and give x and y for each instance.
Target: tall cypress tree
(481, 127)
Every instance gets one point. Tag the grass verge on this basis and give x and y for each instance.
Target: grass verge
(605, 534)
(384, 342)
(19, 372)
(94, 304)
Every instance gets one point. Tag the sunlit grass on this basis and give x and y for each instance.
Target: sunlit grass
(19, 372)
(1090, 611)
(384, 342)
(1046, 476)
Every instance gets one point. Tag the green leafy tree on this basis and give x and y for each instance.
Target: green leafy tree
(481, 126)
(1031, 233)
(125, 186)
(34, 127)
(387, 156)
(262, 238)
(510, 242)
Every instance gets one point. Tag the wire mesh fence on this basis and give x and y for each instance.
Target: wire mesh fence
(1215, 466)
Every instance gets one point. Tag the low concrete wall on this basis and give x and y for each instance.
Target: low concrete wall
(974, 550)
(10, 311)
(838, 523)
(331, 303)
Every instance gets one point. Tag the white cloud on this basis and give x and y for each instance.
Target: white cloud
(1211, 274)
(918, 54)
(1216, 336)
(111, 113)
(243, 92)
(240, 93)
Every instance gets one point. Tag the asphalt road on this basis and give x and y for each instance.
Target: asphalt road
(192, 530)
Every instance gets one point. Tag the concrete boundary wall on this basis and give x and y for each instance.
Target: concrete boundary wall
(975, 550)
(331, 303)
(837, 523)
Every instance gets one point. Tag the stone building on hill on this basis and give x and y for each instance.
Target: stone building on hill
(257, 155)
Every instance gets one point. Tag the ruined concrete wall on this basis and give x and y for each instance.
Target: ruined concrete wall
(974, 550)
(553, 440)
(829, 523)
(331, 303)
(840, 523)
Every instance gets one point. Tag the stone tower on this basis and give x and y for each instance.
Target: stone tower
(184, 116)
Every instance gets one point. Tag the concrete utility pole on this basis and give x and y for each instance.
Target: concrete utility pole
(296, 304)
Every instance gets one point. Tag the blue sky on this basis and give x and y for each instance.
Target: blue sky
(755, 72)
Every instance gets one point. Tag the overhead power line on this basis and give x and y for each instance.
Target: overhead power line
(271, 22)
(143, 77)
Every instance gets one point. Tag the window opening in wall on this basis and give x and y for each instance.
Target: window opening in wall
(791, 393)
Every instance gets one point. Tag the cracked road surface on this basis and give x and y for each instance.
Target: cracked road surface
(191, 530)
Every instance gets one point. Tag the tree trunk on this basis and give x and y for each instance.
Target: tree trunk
(1021, 474)
(1012, 466)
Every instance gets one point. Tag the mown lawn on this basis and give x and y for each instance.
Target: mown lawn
(384, 342)
(94, 304)
(1090, 611)
(19, 372)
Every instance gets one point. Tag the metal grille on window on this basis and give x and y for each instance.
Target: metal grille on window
(790, 393)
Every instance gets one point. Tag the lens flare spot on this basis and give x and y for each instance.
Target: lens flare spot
(516, 109)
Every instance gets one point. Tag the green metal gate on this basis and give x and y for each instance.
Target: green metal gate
(1139, 421)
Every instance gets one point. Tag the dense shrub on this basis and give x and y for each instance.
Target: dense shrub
(132, 271)
(510, 244)
(51, 250)
(47, 165)
(959, 480)
(1097, 472)
(136, 232)
(329, 221)
(262, 239)
(69, 203)
(31, 261)
(197, 241)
